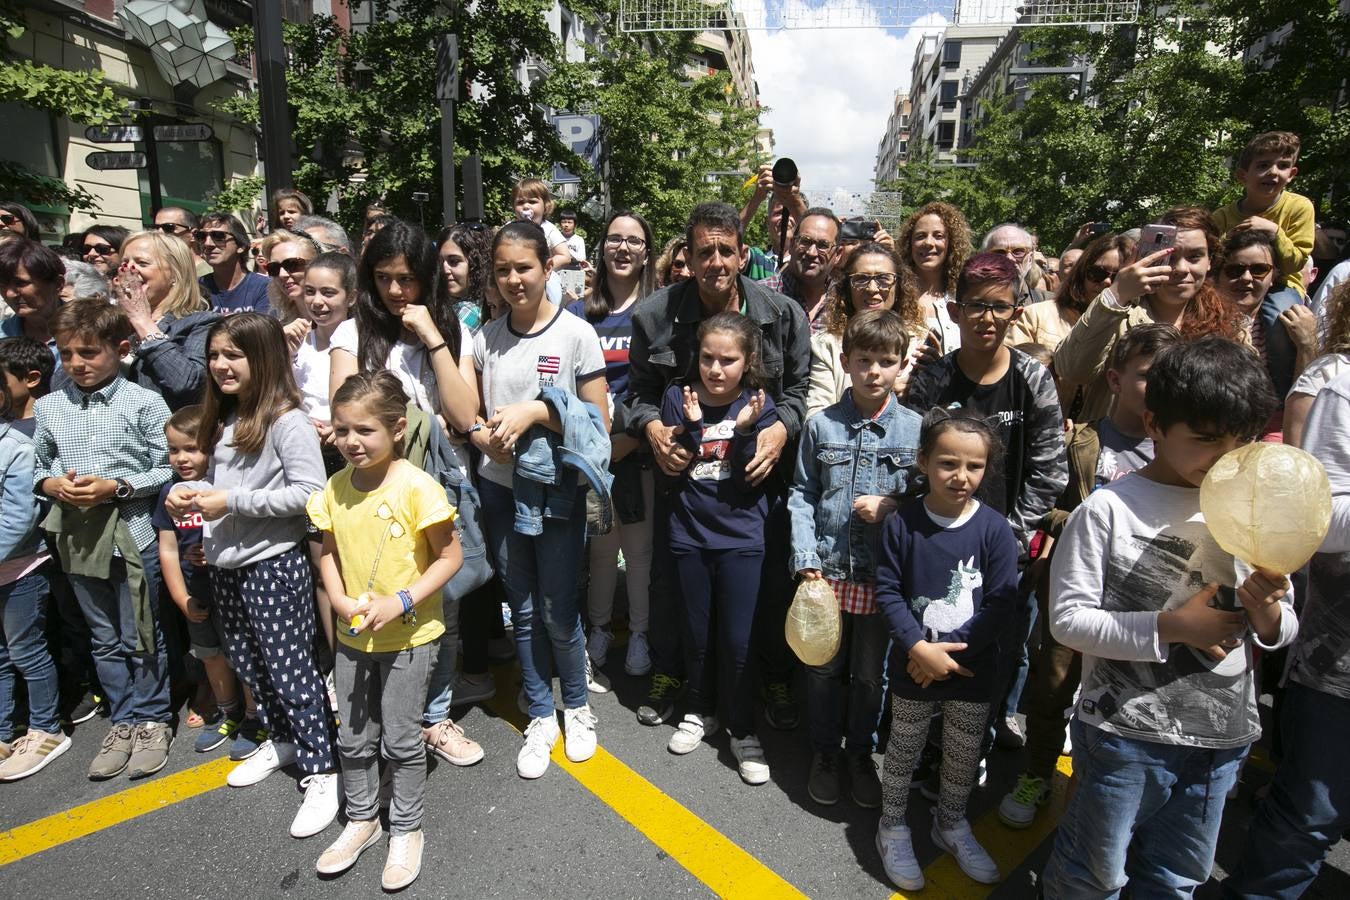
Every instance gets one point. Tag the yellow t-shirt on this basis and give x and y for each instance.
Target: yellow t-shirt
(382, 532)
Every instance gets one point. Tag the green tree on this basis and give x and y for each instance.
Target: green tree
(84, 97)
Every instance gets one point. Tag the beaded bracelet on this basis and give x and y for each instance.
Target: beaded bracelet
(409, 612)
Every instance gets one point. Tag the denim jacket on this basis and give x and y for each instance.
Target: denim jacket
(545, 480)
(842, 457)
(19, 506)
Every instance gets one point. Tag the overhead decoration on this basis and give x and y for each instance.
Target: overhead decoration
(186, 47)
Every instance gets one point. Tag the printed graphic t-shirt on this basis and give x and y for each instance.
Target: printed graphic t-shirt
(189, 533)
(383, 548)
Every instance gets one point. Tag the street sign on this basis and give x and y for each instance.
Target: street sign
(582, 134)
(197, 131)
(114, 134)
(106, 161)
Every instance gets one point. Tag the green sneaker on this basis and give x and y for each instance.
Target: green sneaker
(1018, 809)
(212, 736)
(659, 706)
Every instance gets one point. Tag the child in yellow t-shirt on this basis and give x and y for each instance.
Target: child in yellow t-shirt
(389, 547)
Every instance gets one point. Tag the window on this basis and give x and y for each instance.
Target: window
(188, 171)
(948, 94)
(951, 54)
(946, 134)
(36, 152)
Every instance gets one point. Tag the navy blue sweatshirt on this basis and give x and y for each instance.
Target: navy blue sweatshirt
(956, 584)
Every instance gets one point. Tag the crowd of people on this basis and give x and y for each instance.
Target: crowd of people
(288, 496)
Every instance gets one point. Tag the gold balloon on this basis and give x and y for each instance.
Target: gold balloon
(813, 625)
(1268, 504)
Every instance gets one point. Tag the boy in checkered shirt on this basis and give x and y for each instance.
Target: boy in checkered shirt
(856, 457)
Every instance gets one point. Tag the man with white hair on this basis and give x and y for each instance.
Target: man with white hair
(329, 235)
(1014, 241)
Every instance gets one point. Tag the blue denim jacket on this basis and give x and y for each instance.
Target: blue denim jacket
(842, 457)
(19, 505)
(545, 480)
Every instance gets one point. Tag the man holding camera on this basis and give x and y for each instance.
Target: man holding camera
(781, 185)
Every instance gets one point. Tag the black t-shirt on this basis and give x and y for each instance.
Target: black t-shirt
(189, 532)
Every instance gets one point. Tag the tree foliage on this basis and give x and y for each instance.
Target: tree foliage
(1170, 103)
(84, 97)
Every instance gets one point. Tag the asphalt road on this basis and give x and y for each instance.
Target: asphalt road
(635, 822)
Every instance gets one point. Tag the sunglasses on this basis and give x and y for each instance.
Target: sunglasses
(100, 249)
(1097, 273)
(1234, 271)
(172, 227)
(7, 220)
(215, 237)
(295, 266)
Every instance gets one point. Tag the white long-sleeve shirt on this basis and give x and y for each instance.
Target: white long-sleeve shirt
(1133, 549)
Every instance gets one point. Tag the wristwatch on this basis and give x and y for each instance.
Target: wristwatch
(124, 489)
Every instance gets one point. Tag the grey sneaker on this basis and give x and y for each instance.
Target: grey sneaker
(149, 750)
(113, 754)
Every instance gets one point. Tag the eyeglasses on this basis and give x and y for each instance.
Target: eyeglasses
(1098, 273)
(295, 266)
(7, 220)
(977, 310)
(614, 241)
(100, 249)
(883, 280)
(215, 237)
(1017, 253)
(172, 227)
(1234, 271)
(804, 244)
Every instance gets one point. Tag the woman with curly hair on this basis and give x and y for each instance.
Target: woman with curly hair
(933, 244)
(873, 278)
(465, 250)
(1334, 361)
(1169, 286)
(673, 263)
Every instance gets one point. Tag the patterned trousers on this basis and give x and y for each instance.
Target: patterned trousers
(267, 612)
(962, 734)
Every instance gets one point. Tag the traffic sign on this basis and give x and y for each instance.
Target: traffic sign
(196, 131)
(582, 134)
(106, 161)
(114, 134)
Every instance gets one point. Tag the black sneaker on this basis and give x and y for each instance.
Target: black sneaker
(780, 710)
(659, 705)
(866, 784)
(823, 783)
(90, 705)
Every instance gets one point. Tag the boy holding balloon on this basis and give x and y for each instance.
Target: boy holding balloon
(1166, 620)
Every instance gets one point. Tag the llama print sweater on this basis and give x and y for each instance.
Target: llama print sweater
(952, 581)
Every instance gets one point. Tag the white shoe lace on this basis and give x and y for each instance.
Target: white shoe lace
(536, 737)
(317, 785)
(400, 847)
(351, 837)
(582, 718)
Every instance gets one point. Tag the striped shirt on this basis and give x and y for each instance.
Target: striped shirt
(114, 432)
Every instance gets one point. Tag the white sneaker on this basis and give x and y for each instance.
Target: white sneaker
(692, 731)
(579, 733)
(404, 862)
(750, 758)
(596, 682)
(320, 806)
(597, 646)
(342, 854)
(960, 842)
(540, 736)
(639, 659)
(897, 857)
(268, 758)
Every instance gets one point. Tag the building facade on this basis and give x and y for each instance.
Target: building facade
(942, 64)
(893, 151)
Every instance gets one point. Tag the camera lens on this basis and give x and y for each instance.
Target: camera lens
(784, 171)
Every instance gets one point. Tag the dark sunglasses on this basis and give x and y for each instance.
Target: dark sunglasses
(7, 220)
(172, 227)
(1234, 271)
(1097, 273)
(100, 249)
(295, 266)
(216, 237)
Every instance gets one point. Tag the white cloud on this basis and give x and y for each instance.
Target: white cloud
(829, 92)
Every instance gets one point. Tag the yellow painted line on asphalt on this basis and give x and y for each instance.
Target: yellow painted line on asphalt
(96, 815)
(1008, 846)
(714, 859)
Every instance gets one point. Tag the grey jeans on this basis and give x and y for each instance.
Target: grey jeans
(380, 700)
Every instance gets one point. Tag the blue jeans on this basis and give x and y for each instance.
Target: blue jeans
(137, 683)
(23, 618)
(540, 575)
(441, 684)
(1162, 801)
(1021, 658)
(861, 661)
(1308, 807)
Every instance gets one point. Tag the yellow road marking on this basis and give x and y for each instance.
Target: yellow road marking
(96, 815)
(711, 857)
(1008, 846)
